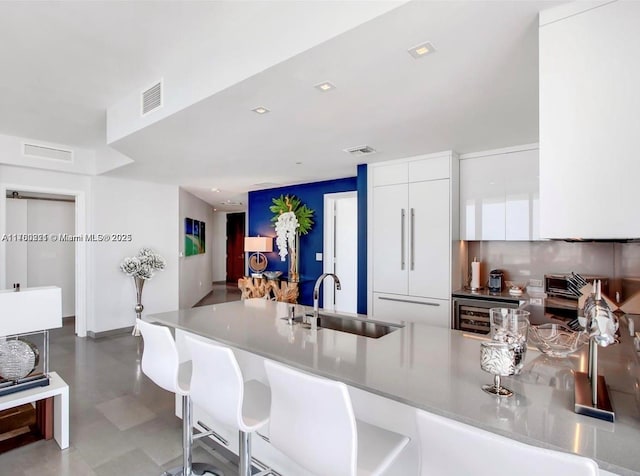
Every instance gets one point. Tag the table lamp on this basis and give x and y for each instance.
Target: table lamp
(258, 245)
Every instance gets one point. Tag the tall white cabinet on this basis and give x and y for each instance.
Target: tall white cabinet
(413, 222)
(589, 121)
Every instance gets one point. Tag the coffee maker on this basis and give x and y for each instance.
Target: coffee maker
(496, 280)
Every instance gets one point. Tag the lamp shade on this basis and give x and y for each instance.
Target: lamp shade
(258, 243)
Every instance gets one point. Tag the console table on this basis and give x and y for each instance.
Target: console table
(274, 289)
(59, 390)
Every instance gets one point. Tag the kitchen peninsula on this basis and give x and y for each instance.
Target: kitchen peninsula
(437, 370)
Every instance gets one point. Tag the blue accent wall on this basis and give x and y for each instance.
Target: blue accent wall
(311, 195)
(362, 238)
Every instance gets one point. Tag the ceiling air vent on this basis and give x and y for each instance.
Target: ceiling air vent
(262, 185)
(152, 98)
(360, 150)
(39, 151)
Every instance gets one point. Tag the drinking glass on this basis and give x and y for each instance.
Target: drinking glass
(511, 326)
(499, 359)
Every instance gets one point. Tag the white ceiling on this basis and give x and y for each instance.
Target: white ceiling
(64, 63)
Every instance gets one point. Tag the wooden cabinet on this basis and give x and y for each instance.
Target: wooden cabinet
(499, 196)
(410, 233)
(589, 121)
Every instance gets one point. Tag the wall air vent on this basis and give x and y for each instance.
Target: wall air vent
(152, 98)
(49, 152)
(360, 150)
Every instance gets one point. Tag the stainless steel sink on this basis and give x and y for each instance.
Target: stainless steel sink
(352, 325)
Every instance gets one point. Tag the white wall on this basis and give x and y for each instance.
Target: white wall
(196, 274)
(27, 179)
(219, 246)
(148, 212)
(42, 263)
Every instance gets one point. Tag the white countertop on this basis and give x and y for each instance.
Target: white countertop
(438, 370)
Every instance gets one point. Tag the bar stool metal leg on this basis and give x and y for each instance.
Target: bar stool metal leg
(245, 453)
(188, 468)
(187, 434)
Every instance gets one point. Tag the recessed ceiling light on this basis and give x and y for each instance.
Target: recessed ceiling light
(217, 190)
(421, 50)
(325, 86)
(260, 110)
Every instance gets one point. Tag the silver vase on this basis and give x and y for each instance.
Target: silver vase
(139, 284)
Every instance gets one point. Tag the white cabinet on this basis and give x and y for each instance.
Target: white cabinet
(429, 247)
(482, 200)
(394, 308)
(499, 195)
(410, 238)
(589, 121)
(391, 204)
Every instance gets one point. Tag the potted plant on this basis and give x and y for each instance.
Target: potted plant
(291, 219)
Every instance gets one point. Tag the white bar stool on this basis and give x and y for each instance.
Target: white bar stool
(451, 448)
(218, 388)
(312, 422)
(161, 364)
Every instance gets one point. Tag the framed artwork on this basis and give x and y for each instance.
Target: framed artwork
(194, 237)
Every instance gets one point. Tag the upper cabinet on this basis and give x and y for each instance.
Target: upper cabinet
(499, 196)
(589, 120)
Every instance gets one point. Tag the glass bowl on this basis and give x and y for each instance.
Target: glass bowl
(272, 274)
(556, 340)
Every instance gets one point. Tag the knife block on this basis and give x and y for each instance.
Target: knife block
(587, 290)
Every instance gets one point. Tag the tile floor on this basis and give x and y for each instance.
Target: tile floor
(121, 422)
(222, 292)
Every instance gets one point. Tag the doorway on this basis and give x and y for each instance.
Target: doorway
(45, 260)
(341, 250)
(235, 246)
(80, 254)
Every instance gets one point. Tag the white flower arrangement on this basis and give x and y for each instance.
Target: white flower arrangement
(144, 265)
(286, 229)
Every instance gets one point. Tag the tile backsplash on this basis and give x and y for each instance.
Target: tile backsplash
(524, 260)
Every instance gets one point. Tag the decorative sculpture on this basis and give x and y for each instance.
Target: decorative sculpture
(141, 268)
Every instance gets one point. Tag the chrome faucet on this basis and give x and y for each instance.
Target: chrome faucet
(316, 297)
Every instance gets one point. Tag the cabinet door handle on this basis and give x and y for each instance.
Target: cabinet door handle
(402, 215)
(412, 238)
(382, 298)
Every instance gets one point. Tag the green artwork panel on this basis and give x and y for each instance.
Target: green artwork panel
(194, 237)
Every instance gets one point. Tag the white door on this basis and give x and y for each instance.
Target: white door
(16, 270)
(390, 218)
(53, 263)
(42, 263)
(429, 239)
(341, 251)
